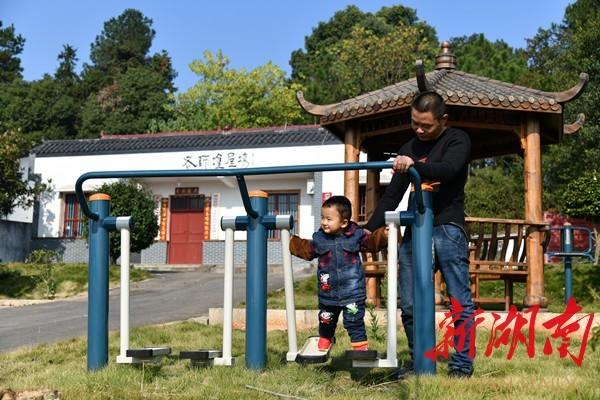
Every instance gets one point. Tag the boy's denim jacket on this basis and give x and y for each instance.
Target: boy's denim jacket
(341, 278)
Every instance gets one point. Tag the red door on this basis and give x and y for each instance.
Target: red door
(187, 231)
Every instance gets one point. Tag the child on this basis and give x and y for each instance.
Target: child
(337, 245)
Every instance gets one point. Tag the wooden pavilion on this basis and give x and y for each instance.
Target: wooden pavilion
(501, 118)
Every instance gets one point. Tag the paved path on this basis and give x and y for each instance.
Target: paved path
(169, 296)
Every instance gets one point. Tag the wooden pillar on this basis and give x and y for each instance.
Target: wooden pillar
(372, 190)
(372, 268)
(533, 210)
(352, 150)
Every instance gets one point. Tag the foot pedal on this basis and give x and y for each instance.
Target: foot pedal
(310, 353)
(362, 355)
(202, 356)
(144, 354)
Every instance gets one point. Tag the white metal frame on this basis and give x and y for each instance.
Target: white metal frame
(391, 361)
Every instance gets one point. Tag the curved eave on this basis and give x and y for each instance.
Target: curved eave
(572, 93)
(569, 129)
(313, 109)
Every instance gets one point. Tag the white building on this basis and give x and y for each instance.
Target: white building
(190, 207)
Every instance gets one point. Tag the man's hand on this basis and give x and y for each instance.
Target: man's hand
(402, 164)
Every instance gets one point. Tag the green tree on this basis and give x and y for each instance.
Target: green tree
(65, 73)
(582, 199)
(316, 66)
(124, 43)
(16, 190)
(364, 61)
(124, 87)
(128, 105)
(40, 109)
(495, 192)
(11, 45)
(130, 198)
(496, 60)
(225, 96)
(560, 53)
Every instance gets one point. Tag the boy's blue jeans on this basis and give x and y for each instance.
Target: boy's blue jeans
(354, 321)
(451, 257)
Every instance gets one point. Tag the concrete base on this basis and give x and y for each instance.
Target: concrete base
(308, 319)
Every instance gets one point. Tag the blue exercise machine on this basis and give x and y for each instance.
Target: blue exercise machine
(568, 251)
(256, 223)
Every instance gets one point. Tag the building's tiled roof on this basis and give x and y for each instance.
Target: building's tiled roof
(180, 141)
(456, 87)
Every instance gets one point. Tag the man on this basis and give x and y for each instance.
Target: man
(440, 154)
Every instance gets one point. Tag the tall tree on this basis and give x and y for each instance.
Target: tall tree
(560, 53)
(125, 87)
(123, 43)
(128, 105)
(497, 60)
(66, 73)
(316, 67)
(225, 96)
(11, 45)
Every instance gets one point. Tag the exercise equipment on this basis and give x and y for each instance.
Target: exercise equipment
(127, 355)
(256, 222)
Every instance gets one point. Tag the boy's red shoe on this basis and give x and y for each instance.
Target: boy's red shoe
(362, 346)
(324, 343)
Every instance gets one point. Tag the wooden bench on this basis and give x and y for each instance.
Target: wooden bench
(375, 272)
(497, 251)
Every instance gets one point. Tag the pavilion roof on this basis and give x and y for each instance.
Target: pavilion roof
(456, 87)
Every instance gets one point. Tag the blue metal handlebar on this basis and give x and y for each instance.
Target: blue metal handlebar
(588, 252)
(239, 174)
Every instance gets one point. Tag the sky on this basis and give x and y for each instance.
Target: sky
(250, 33)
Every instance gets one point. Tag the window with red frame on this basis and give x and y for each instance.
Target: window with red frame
(282, 203)
(73, 218)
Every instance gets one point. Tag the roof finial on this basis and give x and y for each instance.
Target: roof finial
(445, 60)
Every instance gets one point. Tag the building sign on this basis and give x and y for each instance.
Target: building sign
(186, 190)
(220, 160)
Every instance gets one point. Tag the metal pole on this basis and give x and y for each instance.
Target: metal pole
(97, 351)
(123, 227)
(227, 358)
(392, 295)
(290, 308)
(423, 289)
(567, 241)
(256, 285)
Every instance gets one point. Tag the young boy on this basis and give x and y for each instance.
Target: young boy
(341, 278)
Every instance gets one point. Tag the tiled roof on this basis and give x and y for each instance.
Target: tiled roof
(179, 141)
(456, 87)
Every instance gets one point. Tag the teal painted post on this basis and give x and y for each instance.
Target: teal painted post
(423, 289)
(97, 350)
(256, 285)
(567, 247)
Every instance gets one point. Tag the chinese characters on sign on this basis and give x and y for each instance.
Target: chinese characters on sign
(219, 160)
(508, 332)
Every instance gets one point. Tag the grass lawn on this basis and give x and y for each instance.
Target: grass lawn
(62, 366)
(586, 289)
(24, 281)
